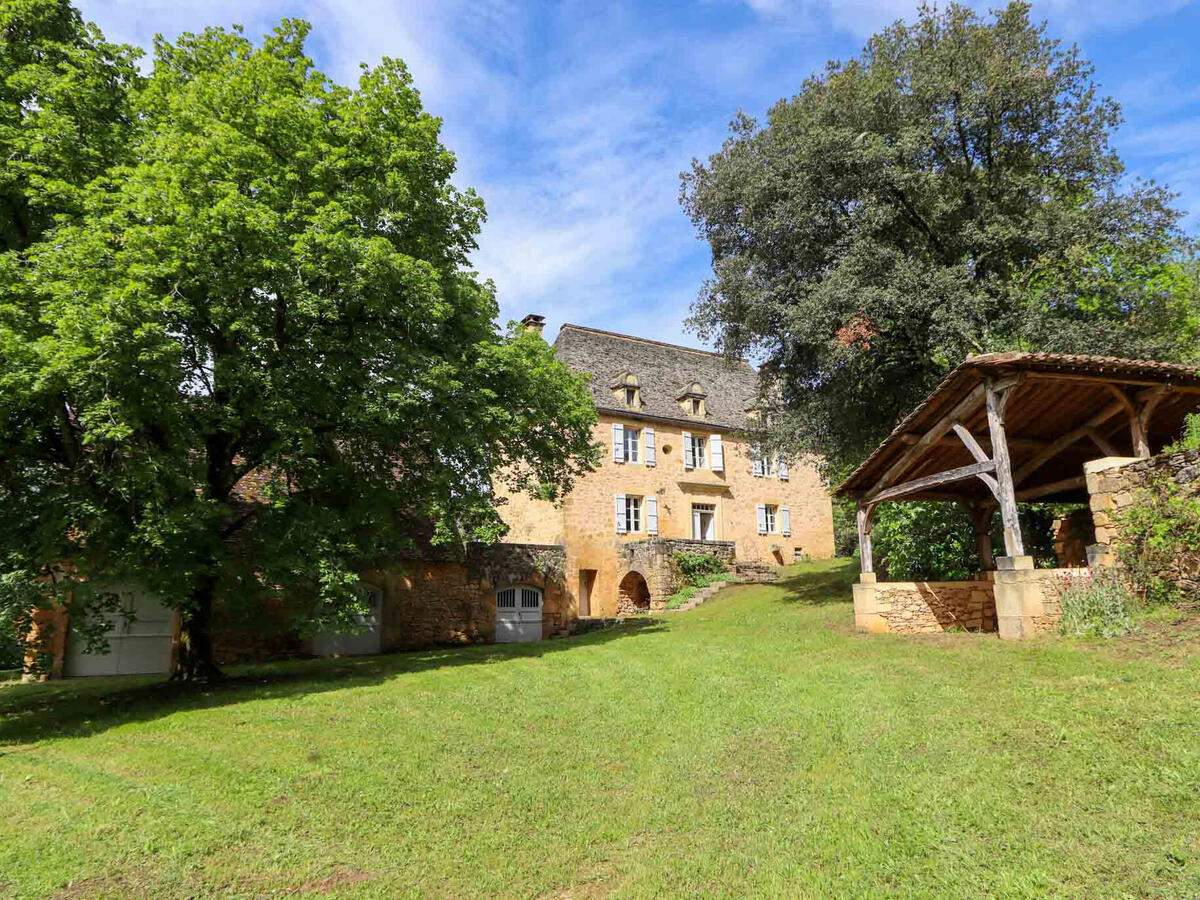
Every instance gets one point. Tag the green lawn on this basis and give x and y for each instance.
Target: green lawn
(753, 746)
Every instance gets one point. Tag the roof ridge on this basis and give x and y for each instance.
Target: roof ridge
(642, 340)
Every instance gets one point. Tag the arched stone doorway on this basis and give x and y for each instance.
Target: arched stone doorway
(633, 595)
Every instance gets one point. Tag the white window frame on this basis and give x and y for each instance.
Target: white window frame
(633, 515)
(771, 513)
(631, 444)
(700, 451)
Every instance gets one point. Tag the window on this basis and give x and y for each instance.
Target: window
(630, 396)
(700, 450)
(772, 518)
(633, 513)
(695, 407)
(632, 442)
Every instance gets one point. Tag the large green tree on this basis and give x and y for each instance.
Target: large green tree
(253, 359)
(950, 191)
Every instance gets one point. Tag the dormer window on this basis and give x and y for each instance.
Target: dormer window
(692, 401)
(627, 390)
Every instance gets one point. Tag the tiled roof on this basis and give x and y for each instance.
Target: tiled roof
(664, 371)
(971, 370)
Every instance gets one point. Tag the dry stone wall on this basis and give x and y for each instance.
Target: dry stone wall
(915, 607)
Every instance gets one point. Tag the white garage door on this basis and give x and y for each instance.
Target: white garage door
(139, 647)
(518, 615)
(367, 639)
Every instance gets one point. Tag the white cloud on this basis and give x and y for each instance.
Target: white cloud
(863, 18)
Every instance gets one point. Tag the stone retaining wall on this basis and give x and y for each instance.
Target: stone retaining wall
(654, 559)
(913, 607)
(1115, 484)
(1017, 601)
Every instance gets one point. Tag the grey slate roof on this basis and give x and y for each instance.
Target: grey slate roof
(664, 371)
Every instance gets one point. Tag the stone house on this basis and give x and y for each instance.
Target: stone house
(679, 473)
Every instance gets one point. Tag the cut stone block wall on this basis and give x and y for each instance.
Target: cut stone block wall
(914, 607)
(1028, 600)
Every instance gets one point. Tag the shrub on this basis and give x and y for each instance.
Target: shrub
(924, 541)
(1097, 605)
(1160, 537)
(692, 566)
(1189, 439)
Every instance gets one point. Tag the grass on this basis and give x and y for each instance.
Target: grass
(753, 746)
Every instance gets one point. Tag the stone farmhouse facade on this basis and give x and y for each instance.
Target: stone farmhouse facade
(678, 472)
(678, 476)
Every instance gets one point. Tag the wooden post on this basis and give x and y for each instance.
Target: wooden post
(864, 537)
(996, 401)
(981, 515)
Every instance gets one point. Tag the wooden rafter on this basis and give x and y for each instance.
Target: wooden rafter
(1051, 450)
(937, 432)
(962, 473)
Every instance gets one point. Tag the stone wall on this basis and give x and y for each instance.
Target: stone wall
(1029, 600)
(454, 602)
(912, 607)
(1113, 485)
(1073, 534)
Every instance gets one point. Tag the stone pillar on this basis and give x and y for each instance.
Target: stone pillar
(866, 611)
(1019, 597)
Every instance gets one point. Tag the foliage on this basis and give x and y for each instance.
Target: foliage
(1095, 605)
(692, 566)
(1189, 439)
(689, 588)
(845, 527)
(950, 191)
(251, 359)
(1159, 546)
(924, 541)
(65, 114)
(783, 745)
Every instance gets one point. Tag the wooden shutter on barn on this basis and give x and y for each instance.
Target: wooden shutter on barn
(761, 510)
(651, 514)
(618, 442)
(785, 521)
(717, 451)
(689, 451)
(783, 469)
(619, 512)
(648, 446)
(759, 465)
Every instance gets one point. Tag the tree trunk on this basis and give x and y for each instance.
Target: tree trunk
(195, 662)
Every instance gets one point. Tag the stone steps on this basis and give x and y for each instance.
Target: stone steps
(703, 595)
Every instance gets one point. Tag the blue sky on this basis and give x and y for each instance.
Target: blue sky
(573, 120)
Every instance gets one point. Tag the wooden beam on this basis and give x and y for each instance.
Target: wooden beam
(1102, 442)
(936, 433)
(996, 402)
(1141, 423)
(1113, 380)
(1053, 449)
(1054, 487)
(1013, 442)
(919, 484)
(969, 440)
(981, 516)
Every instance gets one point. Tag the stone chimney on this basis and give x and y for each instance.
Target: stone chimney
(535, 323)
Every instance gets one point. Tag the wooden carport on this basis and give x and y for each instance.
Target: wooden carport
(1008, 427)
